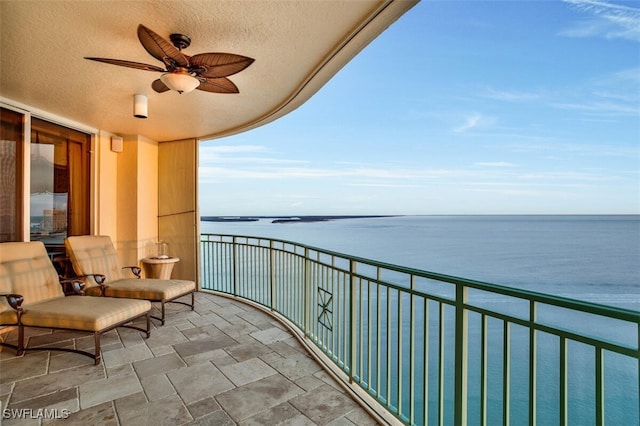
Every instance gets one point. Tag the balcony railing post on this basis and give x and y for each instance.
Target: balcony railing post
(533, 364)
(412, 363)
(307, 293)
(353, 353)
(272, 278)
(461, 356)
(234, 264)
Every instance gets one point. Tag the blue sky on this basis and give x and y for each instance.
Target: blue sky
(474, 107)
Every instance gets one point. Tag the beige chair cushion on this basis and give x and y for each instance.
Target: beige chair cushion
(25, 268)
(94, 254)
(8, 316)
(83, 312)
(150, 289)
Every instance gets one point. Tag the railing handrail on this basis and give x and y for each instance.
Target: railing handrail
(367, 319)
(559, 301)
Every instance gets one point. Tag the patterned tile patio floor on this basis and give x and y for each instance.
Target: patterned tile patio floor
(225, 363)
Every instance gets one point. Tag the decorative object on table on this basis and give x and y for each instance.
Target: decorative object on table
(162, 250)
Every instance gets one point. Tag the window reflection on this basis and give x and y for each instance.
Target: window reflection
(59, 183)
(11, 142)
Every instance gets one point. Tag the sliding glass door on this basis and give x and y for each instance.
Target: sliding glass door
(60, 182)
(11, 176)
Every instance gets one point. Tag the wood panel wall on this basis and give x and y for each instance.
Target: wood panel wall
(178, 218)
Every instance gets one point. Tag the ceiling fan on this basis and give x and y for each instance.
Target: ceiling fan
(183, 73)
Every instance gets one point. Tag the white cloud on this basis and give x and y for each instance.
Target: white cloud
(603, 107)
(609, 20)
(631, 75)
(559, 150)
(386, 185)
(519, 185)
(315, 173)
(474, 121)
(265, 173)
(215, 152)
(253, 160)
(470, 123)
(564, 176)
(226, 149)
(494, 164)
(509, 96)
(518, 192)
(225, 154)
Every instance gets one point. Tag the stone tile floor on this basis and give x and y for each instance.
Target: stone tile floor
(226, 363)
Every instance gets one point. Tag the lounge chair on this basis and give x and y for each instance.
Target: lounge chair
(31, 296)
(94, 259)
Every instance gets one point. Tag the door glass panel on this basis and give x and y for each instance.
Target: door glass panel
(11, 143)
(59, 193)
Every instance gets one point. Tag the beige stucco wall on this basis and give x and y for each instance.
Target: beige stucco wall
(126, 201)
(147, 202)
(148, 193)
(105, 165)
(136, 207)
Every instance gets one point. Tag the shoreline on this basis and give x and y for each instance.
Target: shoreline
(289, 219)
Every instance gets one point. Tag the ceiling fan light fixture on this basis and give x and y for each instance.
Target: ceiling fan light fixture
(181, 82)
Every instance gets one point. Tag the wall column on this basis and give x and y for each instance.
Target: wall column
(178, 218)
(136, 206)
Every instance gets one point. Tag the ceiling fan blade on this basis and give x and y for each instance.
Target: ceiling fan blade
(220, 64)
(159, 86)
(160, 48)
(217, 85)
(129, 64)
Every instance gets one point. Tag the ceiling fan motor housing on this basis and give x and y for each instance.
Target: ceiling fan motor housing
(180, 41)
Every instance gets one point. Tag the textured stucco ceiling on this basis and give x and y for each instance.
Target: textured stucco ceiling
(297, 46)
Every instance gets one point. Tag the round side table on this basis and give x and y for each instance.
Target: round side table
(159, 268)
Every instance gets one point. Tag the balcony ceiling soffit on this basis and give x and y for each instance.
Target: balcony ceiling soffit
(297, 45)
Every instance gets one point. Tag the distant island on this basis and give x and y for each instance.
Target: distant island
(229, 218)
(286, 219)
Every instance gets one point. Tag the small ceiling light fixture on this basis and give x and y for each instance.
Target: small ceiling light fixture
(180, 80)
(140, 107)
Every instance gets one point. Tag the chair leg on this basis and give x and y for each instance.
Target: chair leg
(148, 324)
(162, 316)
(98, 355)
(20, 349)
(193, 300)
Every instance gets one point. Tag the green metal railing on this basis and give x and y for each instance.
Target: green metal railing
(436, 349)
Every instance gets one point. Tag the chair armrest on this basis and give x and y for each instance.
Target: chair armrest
(76, 285)
(15, 300)
(134, 269)
(99, 279)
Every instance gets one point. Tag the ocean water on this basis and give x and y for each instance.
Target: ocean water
(592, 258)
